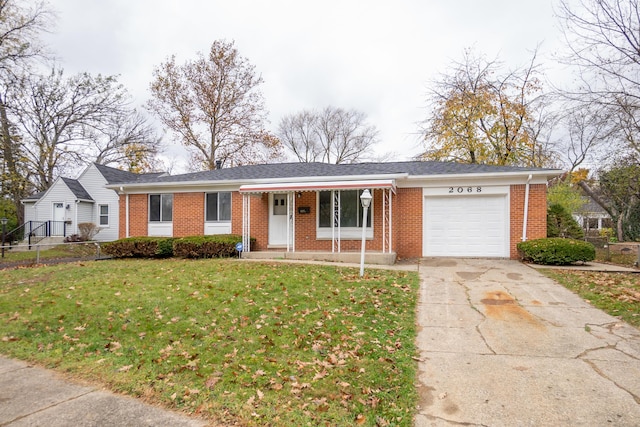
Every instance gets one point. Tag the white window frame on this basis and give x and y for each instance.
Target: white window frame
(218, 207)
(100, 215)
(162, 196)
(346, 233)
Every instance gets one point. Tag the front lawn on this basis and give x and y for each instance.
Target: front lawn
(615, 293)
(62, 251)
(235, 342)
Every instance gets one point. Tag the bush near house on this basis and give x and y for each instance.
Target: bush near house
(140, 247)
(560, 223)
(556, 251)
(215, 246)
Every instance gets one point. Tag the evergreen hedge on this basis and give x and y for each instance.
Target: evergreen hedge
(140, 247)
(556, 251)
(214, 246)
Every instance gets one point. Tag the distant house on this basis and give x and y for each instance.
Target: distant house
(418, 208)
(592, 217)
(69, 202)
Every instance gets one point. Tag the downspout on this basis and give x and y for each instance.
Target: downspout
(126, 213)
(75, 216)
(526, 209)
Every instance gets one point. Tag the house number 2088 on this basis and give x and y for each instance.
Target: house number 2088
(465, 190)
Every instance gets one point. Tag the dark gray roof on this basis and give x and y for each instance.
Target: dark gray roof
(35, 197)
(77, 189)
(321, 170)
(117, 176)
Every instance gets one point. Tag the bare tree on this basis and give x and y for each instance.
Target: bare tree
(333, 135)
(21, 23)
(213, 106)
(66, 121)
(603, 37)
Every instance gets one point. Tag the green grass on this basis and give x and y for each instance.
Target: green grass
(75, 250)
(616, 293)
(626, 260)
(235, 342)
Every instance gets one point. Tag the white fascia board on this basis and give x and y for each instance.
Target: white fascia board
(231, 185)
(502, 178)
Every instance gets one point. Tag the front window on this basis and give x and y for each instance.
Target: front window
(350, 209)
(160, 207)
(218, 206)
(103, 215)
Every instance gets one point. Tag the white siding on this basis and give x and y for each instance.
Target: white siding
(58, 193)
(29, 211)
(217, 228)
(93, 181)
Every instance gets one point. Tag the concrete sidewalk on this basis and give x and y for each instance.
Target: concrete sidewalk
(502, 345)
(38, 397)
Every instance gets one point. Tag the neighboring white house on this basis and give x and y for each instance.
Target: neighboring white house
(69, 202)
(592, 217)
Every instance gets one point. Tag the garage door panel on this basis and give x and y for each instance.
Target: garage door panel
(466, 226)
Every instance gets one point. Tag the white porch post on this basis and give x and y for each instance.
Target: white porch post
(335, 222)
(246, 222)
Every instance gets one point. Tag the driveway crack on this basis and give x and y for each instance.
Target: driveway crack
(598, 371)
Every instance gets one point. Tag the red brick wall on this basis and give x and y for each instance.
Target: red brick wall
(407, 222)
(188, 214)
(537, 214)
(138, 215)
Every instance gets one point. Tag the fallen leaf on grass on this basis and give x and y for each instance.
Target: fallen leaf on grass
(125, 368)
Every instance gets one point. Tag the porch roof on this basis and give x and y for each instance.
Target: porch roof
(319, 186)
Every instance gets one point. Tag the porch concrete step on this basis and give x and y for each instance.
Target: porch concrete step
(378, 258)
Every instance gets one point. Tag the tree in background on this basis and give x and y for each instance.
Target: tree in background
(560, 223)
(602, 37)
(332, 135)
(214, 106)
(617, 190)
(481, 115)
(69, 121)
(21, 23)
(566, 194)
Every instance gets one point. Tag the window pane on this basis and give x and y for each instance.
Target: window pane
(104, 209)
(324, 209)
(349, 208)
(104, 220)
(224, 203)
(167, 207)
(154, 207)
(212, 207)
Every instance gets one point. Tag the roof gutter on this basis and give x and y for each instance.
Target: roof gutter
(343, 178)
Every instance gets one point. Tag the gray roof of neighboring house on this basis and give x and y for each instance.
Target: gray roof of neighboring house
(116, 176)
(34, 197)
(323, 170)
(77, 189)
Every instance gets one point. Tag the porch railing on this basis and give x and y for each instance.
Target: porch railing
(35, 231)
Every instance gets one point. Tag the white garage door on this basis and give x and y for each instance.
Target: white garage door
(471, 226)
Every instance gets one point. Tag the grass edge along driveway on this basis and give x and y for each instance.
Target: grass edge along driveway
(231, 341)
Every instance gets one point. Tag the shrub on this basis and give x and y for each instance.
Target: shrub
(215, 246)
(560, 223)
(87, 231)
(556, 251)
(140, 247)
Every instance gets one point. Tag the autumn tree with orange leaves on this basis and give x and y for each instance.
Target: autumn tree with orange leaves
(481, 116)
(214, 107)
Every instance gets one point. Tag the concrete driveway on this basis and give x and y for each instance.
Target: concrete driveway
(502, 345)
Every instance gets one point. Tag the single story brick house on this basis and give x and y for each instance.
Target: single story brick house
(418, 209)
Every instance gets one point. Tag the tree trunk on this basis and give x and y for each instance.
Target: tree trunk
(13, 180)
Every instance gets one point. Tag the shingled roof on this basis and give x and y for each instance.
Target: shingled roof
(325, 170)
(77, 189)
(117, 176)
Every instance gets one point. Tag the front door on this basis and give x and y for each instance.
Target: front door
(58, 219)
(278, 219)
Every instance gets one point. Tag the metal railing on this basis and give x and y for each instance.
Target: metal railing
(35, 231)
(24, 254)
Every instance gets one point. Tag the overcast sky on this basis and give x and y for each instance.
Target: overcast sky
(375, 56)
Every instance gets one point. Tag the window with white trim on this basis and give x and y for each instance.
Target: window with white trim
(218, 207)
(160, 207)
(103, 215)
(350, 209)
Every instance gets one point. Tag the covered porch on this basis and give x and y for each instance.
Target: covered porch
(319, 221)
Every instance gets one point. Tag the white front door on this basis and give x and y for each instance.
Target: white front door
(278, 219)
(58, 218)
